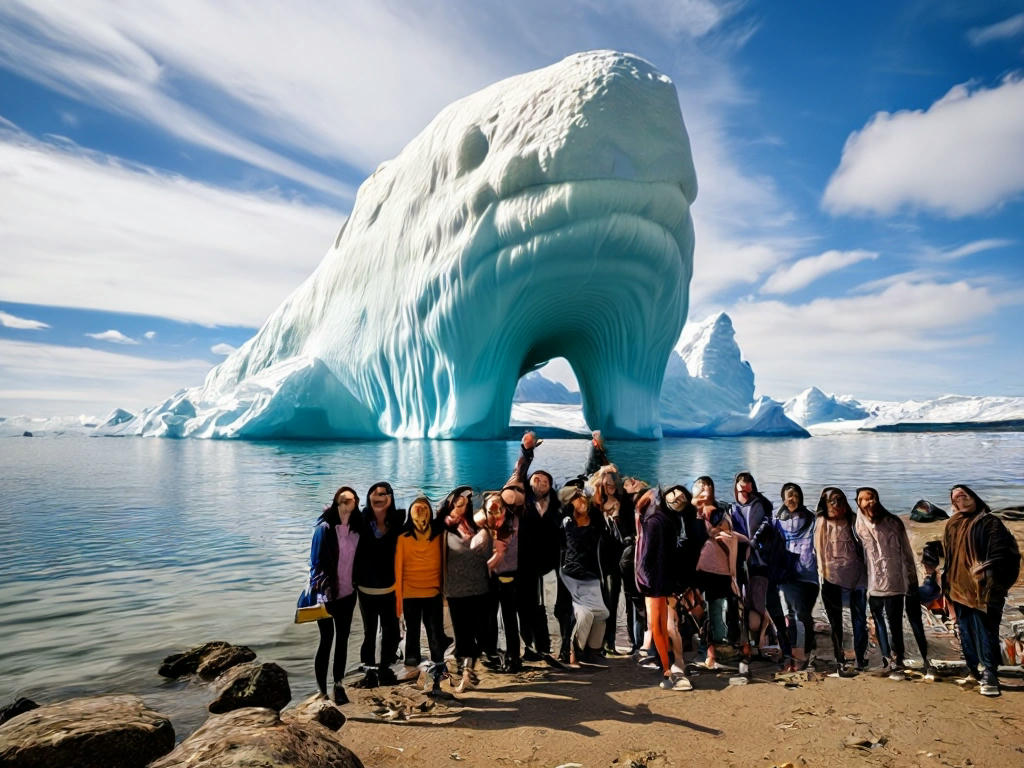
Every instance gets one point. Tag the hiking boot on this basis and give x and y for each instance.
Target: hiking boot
(370, 679)
(412, 661)
(512, 665)
(844, 670)
(340, 697)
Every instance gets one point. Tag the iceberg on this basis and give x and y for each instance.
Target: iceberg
(812, 406)
(545, 216)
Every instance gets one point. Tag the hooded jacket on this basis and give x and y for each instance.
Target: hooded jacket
(797, 529)
(888, 555)
(418, 559)
(980, 542)
(656, 535)
(839, 551)
(375, 556)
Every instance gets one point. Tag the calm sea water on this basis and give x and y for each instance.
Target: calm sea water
(115, 552)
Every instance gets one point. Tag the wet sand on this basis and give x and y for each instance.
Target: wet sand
(619, 717)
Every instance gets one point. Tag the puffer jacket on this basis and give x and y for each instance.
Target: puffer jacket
(888, 555)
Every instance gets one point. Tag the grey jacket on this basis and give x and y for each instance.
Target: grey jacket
(889, 557)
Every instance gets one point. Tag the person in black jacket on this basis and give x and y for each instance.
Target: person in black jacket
(375, 575)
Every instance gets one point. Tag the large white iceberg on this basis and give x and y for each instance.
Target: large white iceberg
(812, 406)
(547, 215)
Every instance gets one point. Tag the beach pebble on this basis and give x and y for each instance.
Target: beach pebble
(256, 737)
(116, 731)
(19, 707)
(315, 709)
(251, 685)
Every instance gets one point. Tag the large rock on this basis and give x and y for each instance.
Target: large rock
(545, 216)
(316, 709)
(251, 685)
(93, 732)
(18, 707)
(259, 738)
(208, 660)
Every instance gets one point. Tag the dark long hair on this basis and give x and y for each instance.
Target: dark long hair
(434, 527)
(980, 505)
(393, 516)
(882, 511)
(448, 505)
(822, 508)
(332, 516)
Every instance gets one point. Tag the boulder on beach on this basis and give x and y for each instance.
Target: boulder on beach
(251, 685)
(18, 707)
(315, 709)
(208, 660)
(116, 731)
(926, 512)
(256, 737)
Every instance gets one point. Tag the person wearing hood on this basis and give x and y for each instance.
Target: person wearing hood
(467, 581)
(418, 571)
(843, 576)
(982, 563)
(752, 517)
(582, 530)
(657, 535)
(635, 607)
(892, 573)
(331, 564)
(375, 575)
(502, 523)
(795, 523)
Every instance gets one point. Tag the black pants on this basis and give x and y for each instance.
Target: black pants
(533, 617)
(916, 622)
(565, 614)
(507, 586)
(338, 626)
(636, 618)
(888, 610)
(431, 611)
(611, 588)
(832, 599)
(374, 610)
(469, 623)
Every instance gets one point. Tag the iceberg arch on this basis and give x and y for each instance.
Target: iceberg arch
(545, 216)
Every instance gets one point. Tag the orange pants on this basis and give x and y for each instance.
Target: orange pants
(657, 621)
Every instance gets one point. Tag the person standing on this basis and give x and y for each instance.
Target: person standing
(843, 575)
(331, 562)
(418, 569)
(982, 563)
(891, 575)
(581, 573)
(795, 523)
(375, 575)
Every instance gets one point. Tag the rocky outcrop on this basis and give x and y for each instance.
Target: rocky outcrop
(116, 731)
(208, 660)
(19, 707)
(251, 685)
(315, 709)
(258, 738)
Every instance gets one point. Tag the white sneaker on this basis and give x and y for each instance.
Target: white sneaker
(967, 680)
(681, 683)
(990, 689)
(744, 669)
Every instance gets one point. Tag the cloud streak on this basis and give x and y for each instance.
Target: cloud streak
(114, 337)
(802, 273)
(962, 156)
(13, 321)
(1003, 30)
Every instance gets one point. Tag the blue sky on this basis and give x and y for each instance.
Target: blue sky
(170, 171)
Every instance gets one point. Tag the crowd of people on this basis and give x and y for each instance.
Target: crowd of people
(693, 573)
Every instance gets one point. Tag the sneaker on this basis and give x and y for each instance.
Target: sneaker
(968, 680)
(681, 683)
(897, 673)
(340, 697)
(990, 689)
(931, 673)
(744, 668)
(844, 670)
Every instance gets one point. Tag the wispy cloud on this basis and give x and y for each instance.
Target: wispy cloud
(43, 379)
(1003, 30)
(802, 273)
(959, 157)
(977, 246)
(128, 239)
(114, 337)
(149, 335)
(13, 321)
(222, 349)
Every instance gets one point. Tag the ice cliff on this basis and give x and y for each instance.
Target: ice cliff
(546, 215)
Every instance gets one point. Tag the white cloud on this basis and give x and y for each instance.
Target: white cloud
(1003, 30)
(222, 349)
(802, 273)
(114, 337)
(13, 321)
(129, 239)
(977, 246)
(888, 343)
(149, 335)
(44, 379)
(961, 156)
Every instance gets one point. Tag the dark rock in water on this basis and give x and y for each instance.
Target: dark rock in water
(92, 732)
(218, 655)
(926, 512)
(19, 707)
(315, 709)
(26, 433)
(251, 685)
(219, 660)
(255, 737)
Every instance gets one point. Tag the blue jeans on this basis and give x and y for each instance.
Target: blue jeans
(979, 638)
(800, 598)
(832, 597)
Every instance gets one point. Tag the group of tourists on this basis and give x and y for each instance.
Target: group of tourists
(694, 573)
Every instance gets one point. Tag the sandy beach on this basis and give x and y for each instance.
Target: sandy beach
(619, 717)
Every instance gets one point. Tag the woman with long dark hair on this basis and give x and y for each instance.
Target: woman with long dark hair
(331, 562)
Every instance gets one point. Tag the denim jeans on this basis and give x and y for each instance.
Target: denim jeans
(979, 638)
(889, 609)
(800, 598)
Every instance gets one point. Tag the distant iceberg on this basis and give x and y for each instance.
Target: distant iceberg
(812, 406)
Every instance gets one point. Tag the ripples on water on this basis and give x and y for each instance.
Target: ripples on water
(117, 551)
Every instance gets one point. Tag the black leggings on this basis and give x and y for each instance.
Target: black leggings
(888, 609)
(507, 585)
(382, 609)
(469, 623)
(431, 611)
(533, 616)
(340, 624)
